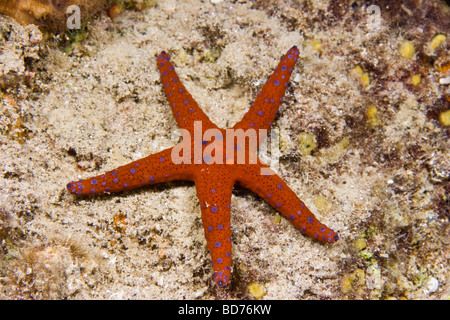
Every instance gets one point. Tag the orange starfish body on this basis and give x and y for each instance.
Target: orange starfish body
(206, 158)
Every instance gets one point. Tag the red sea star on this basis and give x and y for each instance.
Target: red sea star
(211, 168)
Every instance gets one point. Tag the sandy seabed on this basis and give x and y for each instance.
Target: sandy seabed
(362, 144)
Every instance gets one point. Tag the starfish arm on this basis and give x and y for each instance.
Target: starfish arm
(276, 192)
(184, 107)
(214, 193)
(153, 169)
(263, 111)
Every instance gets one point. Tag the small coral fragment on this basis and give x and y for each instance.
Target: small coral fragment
(256, 290)
(407, 49)
(358, 70)
(365, 80)
(415, 79)
(307, 143)
(360, 244)
(442, 64)
(362, 75)
(212, 55)
(444, 117)
(353, 280)
(316, 45)
(120, 221)
(11, 120)
(346, 284)
(322, 203)
(438, 41)
(372, 116)
(276, 219)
